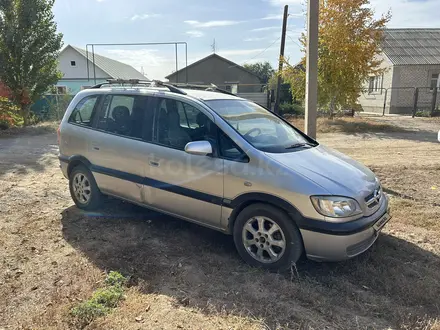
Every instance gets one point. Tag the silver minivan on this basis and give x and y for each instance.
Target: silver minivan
(223, 162)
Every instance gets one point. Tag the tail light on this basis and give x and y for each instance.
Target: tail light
(59, 135)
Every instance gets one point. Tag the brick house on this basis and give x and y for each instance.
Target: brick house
(219, 71)
(411, 58)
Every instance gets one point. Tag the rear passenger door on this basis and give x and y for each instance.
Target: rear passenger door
(187, 185)
(119, 147)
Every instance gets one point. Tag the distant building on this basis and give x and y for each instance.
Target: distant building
(73, 66)
(221, 72)
(411, 58)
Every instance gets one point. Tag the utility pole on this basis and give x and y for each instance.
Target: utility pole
(280, 66)
(312, 67)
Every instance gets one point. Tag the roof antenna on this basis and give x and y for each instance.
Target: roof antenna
(213, 46)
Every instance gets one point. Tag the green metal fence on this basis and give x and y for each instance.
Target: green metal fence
(51, 106)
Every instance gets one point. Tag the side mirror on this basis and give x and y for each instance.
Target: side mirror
(200, 148)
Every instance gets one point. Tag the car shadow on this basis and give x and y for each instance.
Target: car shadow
(395, 284)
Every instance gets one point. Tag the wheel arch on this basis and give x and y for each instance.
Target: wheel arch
(74, 161)
(241, 202)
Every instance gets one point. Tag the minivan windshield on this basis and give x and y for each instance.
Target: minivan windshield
(259, 127)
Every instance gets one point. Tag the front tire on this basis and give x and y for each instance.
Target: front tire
(266, 237)
(83, 188)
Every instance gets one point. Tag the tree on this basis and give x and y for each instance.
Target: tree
(29, 49)
(348, 52)
(262, 69)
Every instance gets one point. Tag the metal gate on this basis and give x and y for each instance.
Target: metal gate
(427, 102)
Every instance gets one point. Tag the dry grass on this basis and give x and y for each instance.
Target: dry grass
(186, 277)
(38, 129)
(349, 125)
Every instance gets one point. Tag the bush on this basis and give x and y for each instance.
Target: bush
(102, 300)
(9, 114)
(291, 109)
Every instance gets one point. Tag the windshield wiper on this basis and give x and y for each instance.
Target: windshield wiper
(300, 145)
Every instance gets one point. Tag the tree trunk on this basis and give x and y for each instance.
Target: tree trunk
(24, 112)
(332, 107)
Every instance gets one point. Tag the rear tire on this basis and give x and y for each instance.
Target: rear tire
(83, 188)
(266, 237)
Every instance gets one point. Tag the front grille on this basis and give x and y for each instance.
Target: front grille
(374, 198)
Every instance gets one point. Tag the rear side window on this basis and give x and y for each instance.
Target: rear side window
(126, 115)
(84, 111)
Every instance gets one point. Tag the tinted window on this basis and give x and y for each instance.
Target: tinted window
(83, 112)
(258, 126)
(126, 115)
(178, 123)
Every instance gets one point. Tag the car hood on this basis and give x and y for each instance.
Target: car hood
(330, 169)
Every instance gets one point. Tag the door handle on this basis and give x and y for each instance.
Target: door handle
(153, 163)
(96, 148)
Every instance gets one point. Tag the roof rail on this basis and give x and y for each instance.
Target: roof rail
(134, 82)
(123, 82)
(171, 87)
(210, 87)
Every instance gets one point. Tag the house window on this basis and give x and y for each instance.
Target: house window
(61, 90)
(232, 88)
(375, 84)
(434, 81)
(72, 63)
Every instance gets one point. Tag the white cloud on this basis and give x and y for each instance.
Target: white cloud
(195, 34)
(155, 64)
(254, 39)
(273, 17)
(240, 52)
(287, 2)
(409, 14)
(209, 24)
(268, 28)
(142, 17)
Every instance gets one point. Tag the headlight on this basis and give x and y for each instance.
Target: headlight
(336, 206)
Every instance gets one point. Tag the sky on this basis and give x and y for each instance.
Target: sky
(245, 31)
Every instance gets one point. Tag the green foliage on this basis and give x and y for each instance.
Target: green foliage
(427, 113)
(285, 93)
(9, 115)
(291, 109)
(102, 300)
(350, 35)
(262, 69)
(29, 49)
(115, 279)
(88, 311)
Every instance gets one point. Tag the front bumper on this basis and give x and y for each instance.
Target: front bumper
(325, 241)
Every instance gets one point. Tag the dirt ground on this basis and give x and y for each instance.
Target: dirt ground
(186, 277)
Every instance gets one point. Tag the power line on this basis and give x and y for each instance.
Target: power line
(295, 42)
(263, 50)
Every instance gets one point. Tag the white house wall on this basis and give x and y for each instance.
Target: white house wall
(80, 70)
(407, 78)
(374, 101)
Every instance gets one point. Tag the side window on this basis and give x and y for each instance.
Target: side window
(229, 150)
(84, 110)
(178, 123)
(126, 115)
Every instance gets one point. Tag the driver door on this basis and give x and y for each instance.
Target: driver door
(187, 185)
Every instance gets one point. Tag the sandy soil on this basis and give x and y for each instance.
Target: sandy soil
(186, 277)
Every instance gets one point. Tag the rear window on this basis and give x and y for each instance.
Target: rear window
(84, 111)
